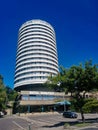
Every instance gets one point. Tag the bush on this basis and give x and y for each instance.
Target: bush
(66, 125)
(91, 106)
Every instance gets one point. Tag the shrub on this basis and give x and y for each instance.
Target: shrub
(91, 106)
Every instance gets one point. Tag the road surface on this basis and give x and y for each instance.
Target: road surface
(41, 122)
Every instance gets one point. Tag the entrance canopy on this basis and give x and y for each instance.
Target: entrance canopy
(65, 102)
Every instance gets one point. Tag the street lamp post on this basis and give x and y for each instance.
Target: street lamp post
(29, 125)
(59, 84)
(64, 105)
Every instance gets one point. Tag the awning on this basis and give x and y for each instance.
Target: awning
(65, 102)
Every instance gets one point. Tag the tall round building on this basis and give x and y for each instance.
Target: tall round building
(36, 57)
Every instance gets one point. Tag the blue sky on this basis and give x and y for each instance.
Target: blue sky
(75, 23)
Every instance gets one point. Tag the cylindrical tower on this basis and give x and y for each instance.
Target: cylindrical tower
(36, 55)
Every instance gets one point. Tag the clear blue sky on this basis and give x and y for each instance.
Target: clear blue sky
(75, 23)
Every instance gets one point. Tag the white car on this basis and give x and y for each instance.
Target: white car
(1, 114)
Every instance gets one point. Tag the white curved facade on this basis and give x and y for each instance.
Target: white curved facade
(36, 54)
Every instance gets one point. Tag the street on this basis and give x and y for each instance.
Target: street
(41, 122)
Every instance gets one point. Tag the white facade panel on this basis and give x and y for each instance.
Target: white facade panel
(36, 55)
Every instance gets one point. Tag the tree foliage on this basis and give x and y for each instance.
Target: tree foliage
(11, 94)
(77, 80)
(2, 94)
(6, 94)
(91, 105)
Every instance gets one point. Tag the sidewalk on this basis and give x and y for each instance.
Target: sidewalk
(37, 114)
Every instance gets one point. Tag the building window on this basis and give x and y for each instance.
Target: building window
(25, 97)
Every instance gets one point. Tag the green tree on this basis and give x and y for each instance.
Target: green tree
(2, 94)
(12, 99)
(77, 80)
(11, 94)
(91, 105)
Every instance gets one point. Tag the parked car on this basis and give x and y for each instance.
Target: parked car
(4, 112)
(70, 114)
(1, 114)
